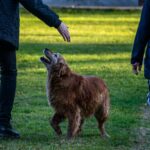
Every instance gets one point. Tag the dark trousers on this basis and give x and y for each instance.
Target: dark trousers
(147, 62)
(8, 73)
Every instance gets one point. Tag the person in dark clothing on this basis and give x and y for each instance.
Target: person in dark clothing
(142, 40)
(9, 43)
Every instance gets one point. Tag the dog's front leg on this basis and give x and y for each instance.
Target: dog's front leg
(74, 119)
(56, 120)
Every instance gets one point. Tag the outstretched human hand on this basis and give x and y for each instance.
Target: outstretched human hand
(63, 30)
(136, 68)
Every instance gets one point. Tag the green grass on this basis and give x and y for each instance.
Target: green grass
(101, 45)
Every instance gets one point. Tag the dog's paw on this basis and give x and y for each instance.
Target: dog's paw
(105, 136)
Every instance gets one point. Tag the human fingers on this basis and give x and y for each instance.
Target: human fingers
(67, 35)
(134, 68)
(139, 67)
(62, 34)
(63, 29)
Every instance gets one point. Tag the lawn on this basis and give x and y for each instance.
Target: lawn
(101, 45)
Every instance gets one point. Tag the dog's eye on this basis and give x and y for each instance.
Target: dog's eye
(55, 55)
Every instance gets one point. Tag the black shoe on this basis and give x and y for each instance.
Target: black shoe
(8, 132)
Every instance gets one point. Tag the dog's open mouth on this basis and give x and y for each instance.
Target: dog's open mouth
(48, 56)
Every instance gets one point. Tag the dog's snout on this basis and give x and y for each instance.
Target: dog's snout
(55, 55)
(47, 51)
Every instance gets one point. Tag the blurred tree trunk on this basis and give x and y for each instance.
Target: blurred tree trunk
(141, 2)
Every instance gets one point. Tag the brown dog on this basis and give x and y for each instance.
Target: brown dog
(73, 96)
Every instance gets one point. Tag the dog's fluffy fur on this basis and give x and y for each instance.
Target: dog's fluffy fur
(73, 96)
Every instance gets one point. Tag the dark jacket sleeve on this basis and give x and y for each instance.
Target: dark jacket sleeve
(42, 11)
(142, 35)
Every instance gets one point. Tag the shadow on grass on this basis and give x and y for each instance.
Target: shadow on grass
(36, 48)
(100, 61)
(46, 138)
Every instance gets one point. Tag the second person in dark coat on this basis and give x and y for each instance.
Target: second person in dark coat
(142, 40)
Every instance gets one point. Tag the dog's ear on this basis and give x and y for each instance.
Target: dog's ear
(63, 69)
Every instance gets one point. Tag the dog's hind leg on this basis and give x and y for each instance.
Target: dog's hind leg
(56, 120)
(101, 115)
(74, 119)
(80, 126)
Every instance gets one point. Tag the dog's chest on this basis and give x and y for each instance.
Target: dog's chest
(48, 91)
